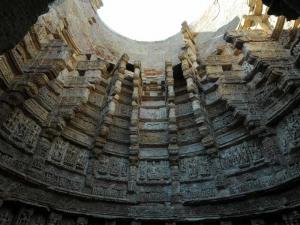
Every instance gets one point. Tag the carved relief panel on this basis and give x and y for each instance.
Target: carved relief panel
(64, 179)
(242, 155)
(112, 168)
(119, 135)
(223, 121)
(68, 155)
(151, 138)
(154, 193)
(264, 96)
(184, 109)
(47, 98)
(153, 114)
(194, 168)
(153, 171)
(201, 190)
(288, 132)
(110, 190)
(190, 135)
(21, 131)
(123, 110)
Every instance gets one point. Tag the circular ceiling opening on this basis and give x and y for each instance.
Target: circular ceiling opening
(155, 20)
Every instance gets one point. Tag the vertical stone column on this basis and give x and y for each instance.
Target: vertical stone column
(293, 33)
(258, 8)
(113, 100)
(134, 128)
(278, 28)
(173, 148)
(189, 65)
(256, 16)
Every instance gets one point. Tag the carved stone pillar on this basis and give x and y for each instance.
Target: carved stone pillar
(134, 128)
(278, 28)
(113, 99)
(189, 65)
(190, 75)
(293, 33)
(173, 138)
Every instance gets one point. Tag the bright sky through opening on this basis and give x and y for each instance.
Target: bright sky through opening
(150, 20)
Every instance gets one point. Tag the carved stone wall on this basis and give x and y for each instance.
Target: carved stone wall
(84, 141)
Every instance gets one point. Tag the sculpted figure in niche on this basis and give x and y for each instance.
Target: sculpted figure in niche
(153, 171)
(143, 171)
(20, 132)
(124, 169)
(102, 166)
(114, 169)
(288, 132)
(193, 168)
(58, 149)
(10, 124)
(82, 160)
(71, 156)
(32, 135)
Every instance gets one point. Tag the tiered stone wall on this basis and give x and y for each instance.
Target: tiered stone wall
(84, 141)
